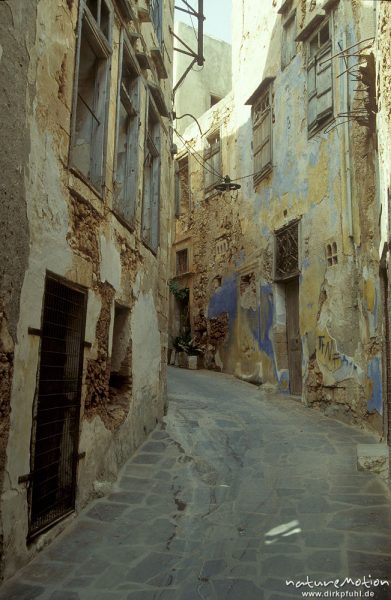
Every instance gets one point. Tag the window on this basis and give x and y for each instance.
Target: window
(212, 161)
(221, 246)
(155, 7)
(126, 170)
(262, 134)
(214, 99)
(319, 77)
(217, 282)
(183, 189)
(182, 262)
(332, 254)
(287, 251)
(288, 50)
(90, 102)
(151, 195)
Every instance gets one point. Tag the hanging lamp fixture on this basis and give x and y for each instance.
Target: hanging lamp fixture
(227, 185)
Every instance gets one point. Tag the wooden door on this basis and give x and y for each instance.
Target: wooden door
(293, 336)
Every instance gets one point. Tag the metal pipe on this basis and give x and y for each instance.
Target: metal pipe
(200, 59)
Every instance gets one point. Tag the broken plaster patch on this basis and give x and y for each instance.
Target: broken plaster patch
(373, 458)
(146, 344)
(110, 268)
(334, 365)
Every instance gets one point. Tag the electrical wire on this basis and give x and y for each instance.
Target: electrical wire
(199, 154)
(247, 176)
(204, 164)
(192, 23)
(214, 172)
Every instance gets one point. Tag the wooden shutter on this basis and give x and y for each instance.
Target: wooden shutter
(262, 149)
(212, 163)
(324, 84)
(312, 99)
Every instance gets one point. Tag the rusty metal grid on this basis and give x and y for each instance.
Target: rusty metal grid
(56, 416)
(287, 252)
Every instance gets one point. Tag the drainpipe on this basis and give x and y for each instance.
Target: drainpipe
(347, 145)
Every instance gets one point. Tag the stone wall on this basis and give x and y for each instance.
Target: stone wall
(327, 183)
(55, 221)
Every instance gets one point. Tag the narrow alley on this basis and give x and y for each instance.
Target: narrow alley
(237, 491)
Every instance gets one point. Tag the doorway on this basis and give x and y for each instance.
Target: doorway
(55, 433)
(293, 336)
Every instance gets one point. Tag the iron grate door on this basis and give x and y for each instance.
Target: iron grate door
(57, 408)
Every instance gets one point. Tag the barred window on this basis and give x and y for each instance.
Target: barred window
(287, 251)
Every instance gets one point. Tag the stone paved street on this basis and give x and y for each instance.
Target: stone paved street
(238, 491)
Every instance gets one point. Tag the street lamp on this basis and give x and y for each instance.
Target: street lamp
(227, 185)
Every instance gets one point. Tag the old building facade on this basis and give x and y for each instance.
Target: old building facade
(86, 188)
(383, 47)
(283, 273)
(203, 86)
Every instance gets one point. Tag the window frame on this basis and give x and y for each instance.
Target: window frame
(156, 12)
(184, 159)
(131, 103)
(313, 61)
(295, 227)
(178, 253)
(100, 45)
(152, 148)
(266, 114)
(212, 148)
(289, 21)
(331, 252)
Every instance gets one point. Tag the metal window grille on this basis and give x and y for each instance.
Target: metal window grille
(287, 252)
(56, 416)
(332, 254)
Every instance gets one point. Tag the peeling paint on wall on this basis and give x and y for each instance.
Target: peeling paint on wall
(375, 401)
(310, 181)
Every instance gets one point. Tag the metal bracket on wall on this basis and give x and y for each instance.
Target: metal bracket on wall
(25, 478)
(34, 331)
(197, 55)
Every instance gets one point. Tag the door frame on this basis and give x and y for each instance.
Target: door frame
(34, 532)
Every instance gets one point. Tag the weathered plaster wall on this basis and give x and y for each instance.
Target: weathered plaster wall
(214, 77)
(309, 181)
(17, 33)
(74, 234)
(384, 116)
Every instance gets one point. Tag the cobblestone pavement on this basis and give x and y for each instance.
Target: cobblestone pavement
(238, 491)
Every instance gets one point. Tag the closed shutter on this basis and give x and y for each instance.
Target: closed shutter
(312, 99)
(155, 203)
(324, 84)
(212, 164)
(262, 141)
